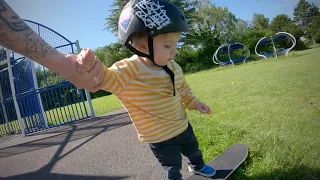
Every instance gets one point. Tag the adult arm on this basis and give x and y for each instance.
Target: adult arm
(17, 36)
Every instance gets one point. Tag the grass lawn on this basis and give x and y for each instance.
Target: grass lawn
(273, 107)
(106, 104)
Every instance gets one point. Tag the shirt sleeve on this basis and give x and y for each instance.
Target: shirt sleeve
(118, 76)
(187, 96)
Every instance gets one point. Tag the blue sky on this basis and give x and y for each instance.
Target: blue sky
(84, 20)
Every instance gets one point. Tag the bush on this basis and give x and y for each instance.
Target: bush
(186, 56)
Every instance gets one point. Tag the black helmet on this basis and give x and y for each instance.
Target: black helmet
(153, 17)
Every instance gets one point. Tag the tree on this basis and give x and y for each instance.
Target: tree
(313, 29)
(112, 53)
(212, 26)
(258, 28)
(240, 30)
(211, 22)
(281, 22)
(284, 23)
(251, 38)
(112, 21)
(260, 22)
(46, 77)
(304, 12)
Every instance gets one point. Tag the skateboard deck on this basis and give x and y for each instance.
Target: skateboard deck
(226, 163)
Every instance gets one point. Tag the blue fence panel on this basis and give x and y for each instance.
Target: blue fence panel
(59, 110)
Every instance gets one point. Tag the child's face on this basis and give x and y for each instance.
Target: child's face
(165, 47)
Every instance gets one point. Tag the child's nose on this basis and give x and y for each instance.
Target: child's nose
(174, 52)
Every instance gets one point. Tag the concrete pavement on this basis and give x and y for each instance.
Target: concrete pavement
(106, 147)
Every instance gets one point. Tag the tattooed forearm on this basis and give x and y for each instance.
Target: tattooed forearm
(5, 38)
(14, 23)
(35, 45)
(18, 36)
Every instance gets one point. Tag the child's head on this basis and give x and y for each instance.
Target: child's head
(164, 46)
(152, 29)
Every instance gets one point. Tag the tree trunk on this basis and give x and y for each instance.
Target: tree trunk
(313, 41)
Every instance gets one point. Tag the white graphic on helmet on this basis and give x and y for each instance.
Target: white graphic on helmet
(152, 14)
(125, 19)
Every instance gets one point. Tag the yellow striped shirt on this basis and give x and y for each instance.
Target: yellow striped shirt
(148, 97)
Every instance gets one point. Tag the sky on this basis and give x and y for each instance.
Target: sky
(84, 20)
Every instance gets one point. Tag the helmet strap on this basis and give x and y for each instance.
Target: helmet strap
(135, 51)
(166, 68)
(151, 57)
(172, 78)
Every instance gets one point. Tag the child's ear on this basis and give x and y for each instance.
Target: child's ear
(143, 47)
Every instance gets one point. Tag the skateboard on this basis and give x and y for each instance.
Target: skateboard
(226, 163)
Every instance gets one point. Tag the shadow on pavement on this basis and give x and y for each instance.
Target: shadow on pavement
(89, 128)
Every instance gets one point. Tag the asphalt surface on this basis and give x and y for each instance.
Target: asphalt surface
(102, 148)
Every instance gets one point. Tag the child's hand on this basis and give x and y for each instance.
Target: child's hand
(86, 61)
(202, 108)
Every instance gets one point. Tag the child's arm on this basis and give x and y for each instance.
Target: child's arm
(189, 99)
(117, 77)
(187, 96)
(114, 79)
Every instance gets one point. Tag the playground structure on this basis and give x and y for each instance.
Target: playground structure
(33, 98)
(273, 39)
(227, 49)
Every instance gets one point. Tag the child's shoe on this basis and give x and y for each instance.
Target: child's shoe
(206, 171)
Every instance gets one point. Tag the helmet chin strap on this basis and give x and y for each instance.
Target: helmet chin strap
(151, 57)
(151, 52)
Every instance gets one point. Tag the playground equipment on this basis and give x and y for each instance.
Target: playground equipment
(33, 98)
(273, 39)
(227, 49)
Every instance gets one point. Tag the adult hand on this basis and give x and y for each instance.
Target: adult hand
(90, 80)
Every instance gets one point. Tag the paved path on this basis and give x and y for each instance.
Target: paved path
(106, 147)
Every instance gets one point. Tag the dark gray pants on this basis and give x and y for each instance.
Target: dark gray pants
(168, 153)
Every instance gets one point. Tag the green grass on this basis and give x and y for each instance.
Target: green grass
(106, 105)
(77, 111)
(101, 106)
(274, 108)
